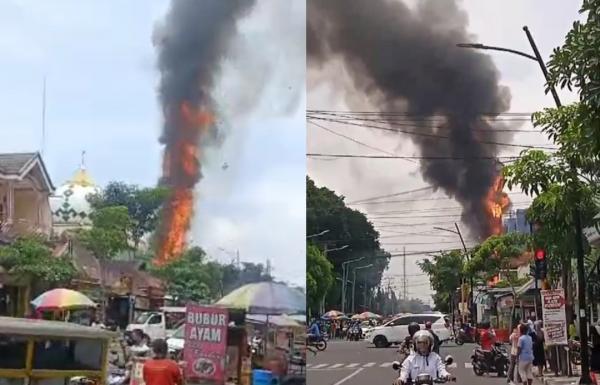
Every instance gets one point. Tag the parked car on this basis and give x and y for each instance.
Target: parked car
(159, 324)
(396, 330)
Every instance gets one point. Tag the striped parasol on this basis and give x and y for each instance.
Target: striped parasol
(333, 314)
(369, 315)
(62, 299)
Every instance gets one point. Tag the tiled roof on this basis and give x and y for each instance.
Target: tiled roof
(14, 164)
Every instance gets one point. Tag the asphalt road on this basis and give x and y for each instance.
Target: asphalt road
(358, 363)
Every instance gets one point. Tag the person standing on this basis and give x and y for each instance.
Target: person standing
(159, 370)
(539, 356)
(595, 357)
(525, 355)
(333, 329)
(436, 339)
(514, 345)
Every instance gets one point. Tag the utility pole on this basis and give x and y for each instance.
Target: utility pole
(463, 280)
(404, 273)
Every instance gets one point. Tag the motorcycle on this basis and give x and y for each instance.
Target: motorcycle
(494, 361)
(424, 378)
(405, 349)
(461, 337)
(320, 342)
(355, 333)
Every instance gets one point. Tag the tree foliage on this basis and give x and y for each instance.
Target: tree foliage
(143, 206)
(325, 210)
(319, 276)
(497, 253)
(110, 231)
(445, 272)
(31, 259)
(194, 277)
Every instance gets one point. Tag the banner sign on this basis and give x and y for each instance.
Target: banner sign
(205, 346)
(554, 316)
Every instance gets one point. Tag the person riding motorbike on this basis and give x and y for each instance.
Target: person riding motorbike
(487, 341)
(314, 332)
(422, 360)
(406, 347)
(436, 339)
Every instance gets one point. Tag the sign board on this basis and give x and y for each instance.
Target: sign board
(554, 316)
(205, 346)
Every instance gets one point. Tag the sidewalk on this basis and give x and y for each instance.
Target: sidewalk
(551, 379)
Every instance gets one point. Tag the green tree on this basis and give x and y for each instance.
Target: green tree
(30, 258)
(445, 272)
(143, 205)
(325, 210)
(110, 231)
(496, 255)
(192, 277)
(319, 277)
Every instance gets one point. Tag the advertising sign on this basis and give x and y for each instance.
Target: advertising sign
(205, 347)
(554, 316)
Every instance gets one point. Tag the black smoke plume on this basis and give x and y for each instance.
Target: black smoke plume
(191, 44)
(406, 59)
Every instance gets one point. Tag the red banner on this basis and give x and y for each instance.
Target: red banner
(205, 347)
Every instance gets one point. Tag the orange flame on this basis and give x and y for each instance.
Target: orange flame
(181, 161)
(496, 203)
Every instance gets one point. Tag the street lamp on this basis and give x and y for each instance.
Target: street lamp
(462, 290)
(585, 370)
(345, 278)
(354, 280)
(318, 234)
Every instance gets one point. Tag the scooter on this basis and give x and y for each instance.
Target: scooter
(498, 362)
(462, 337)
(355, 333)
(424, 379)
(320, 342)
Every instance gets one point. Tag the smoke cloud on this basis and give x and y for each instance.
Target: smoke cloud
(406, 60)
(192, 43)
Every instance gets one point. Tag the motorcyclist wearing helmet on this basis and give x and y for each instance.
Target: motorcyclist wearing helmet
(436, 339)
(406, 347)
(423, 360)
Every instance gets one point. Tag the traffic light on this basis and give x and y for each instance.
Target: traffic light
(540, 264)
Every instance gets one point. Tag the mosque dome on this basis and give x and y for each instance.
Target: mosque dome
(69, 203)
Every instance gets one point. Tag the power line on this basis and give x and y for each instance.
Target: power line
(426, 188)
(427, 135)
(322, 155)
(354, 140)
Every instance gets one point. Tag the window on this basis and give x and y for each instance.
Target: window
(400, 321)
(179, 333)
(142, 318)
(81, 354)
(426, 318)
(13, 352)
(155, 319)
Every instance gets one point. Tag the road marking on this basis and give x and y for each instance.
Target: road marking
(352, 365)
(386, 364)
(319, 366)
(349, 376)
(468, 365)
(369, 365)
(453, 365)
(336, 366)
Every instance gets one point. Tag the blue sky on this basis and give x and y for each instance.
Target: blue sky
(99, 64)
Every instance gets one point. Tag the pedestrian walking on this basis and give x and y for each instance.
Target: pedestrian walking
(514, 345)
(525, 355)
(539, 356)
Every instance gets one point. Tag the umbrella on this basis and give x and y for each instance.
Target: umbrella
(265, 298)
(369, 315)
(356, 316)
(333, 314)
(62, 299)
(277, 320)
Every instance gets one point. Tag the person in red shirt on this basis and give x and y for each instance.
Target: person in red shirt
(487, 337)
(159, 370)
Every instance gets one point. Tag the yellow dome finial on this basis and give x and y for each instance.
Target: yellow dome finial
(81, 177)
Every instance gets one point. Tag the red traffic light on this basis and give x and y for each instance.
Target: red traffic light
(540, 255)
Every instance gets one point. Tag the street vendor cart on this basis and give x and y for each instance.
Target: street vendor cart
(40, 352)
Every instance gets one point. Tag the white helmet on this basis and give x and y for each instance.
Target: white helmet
(423, 336)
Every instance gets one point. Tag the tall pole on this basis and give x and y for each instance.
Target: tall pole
(585, 368)
(404, 273)
(353, 285)
(463, 280)
(43, 145)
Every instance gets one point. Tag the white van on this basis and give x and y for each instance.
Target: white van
(159, 324)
